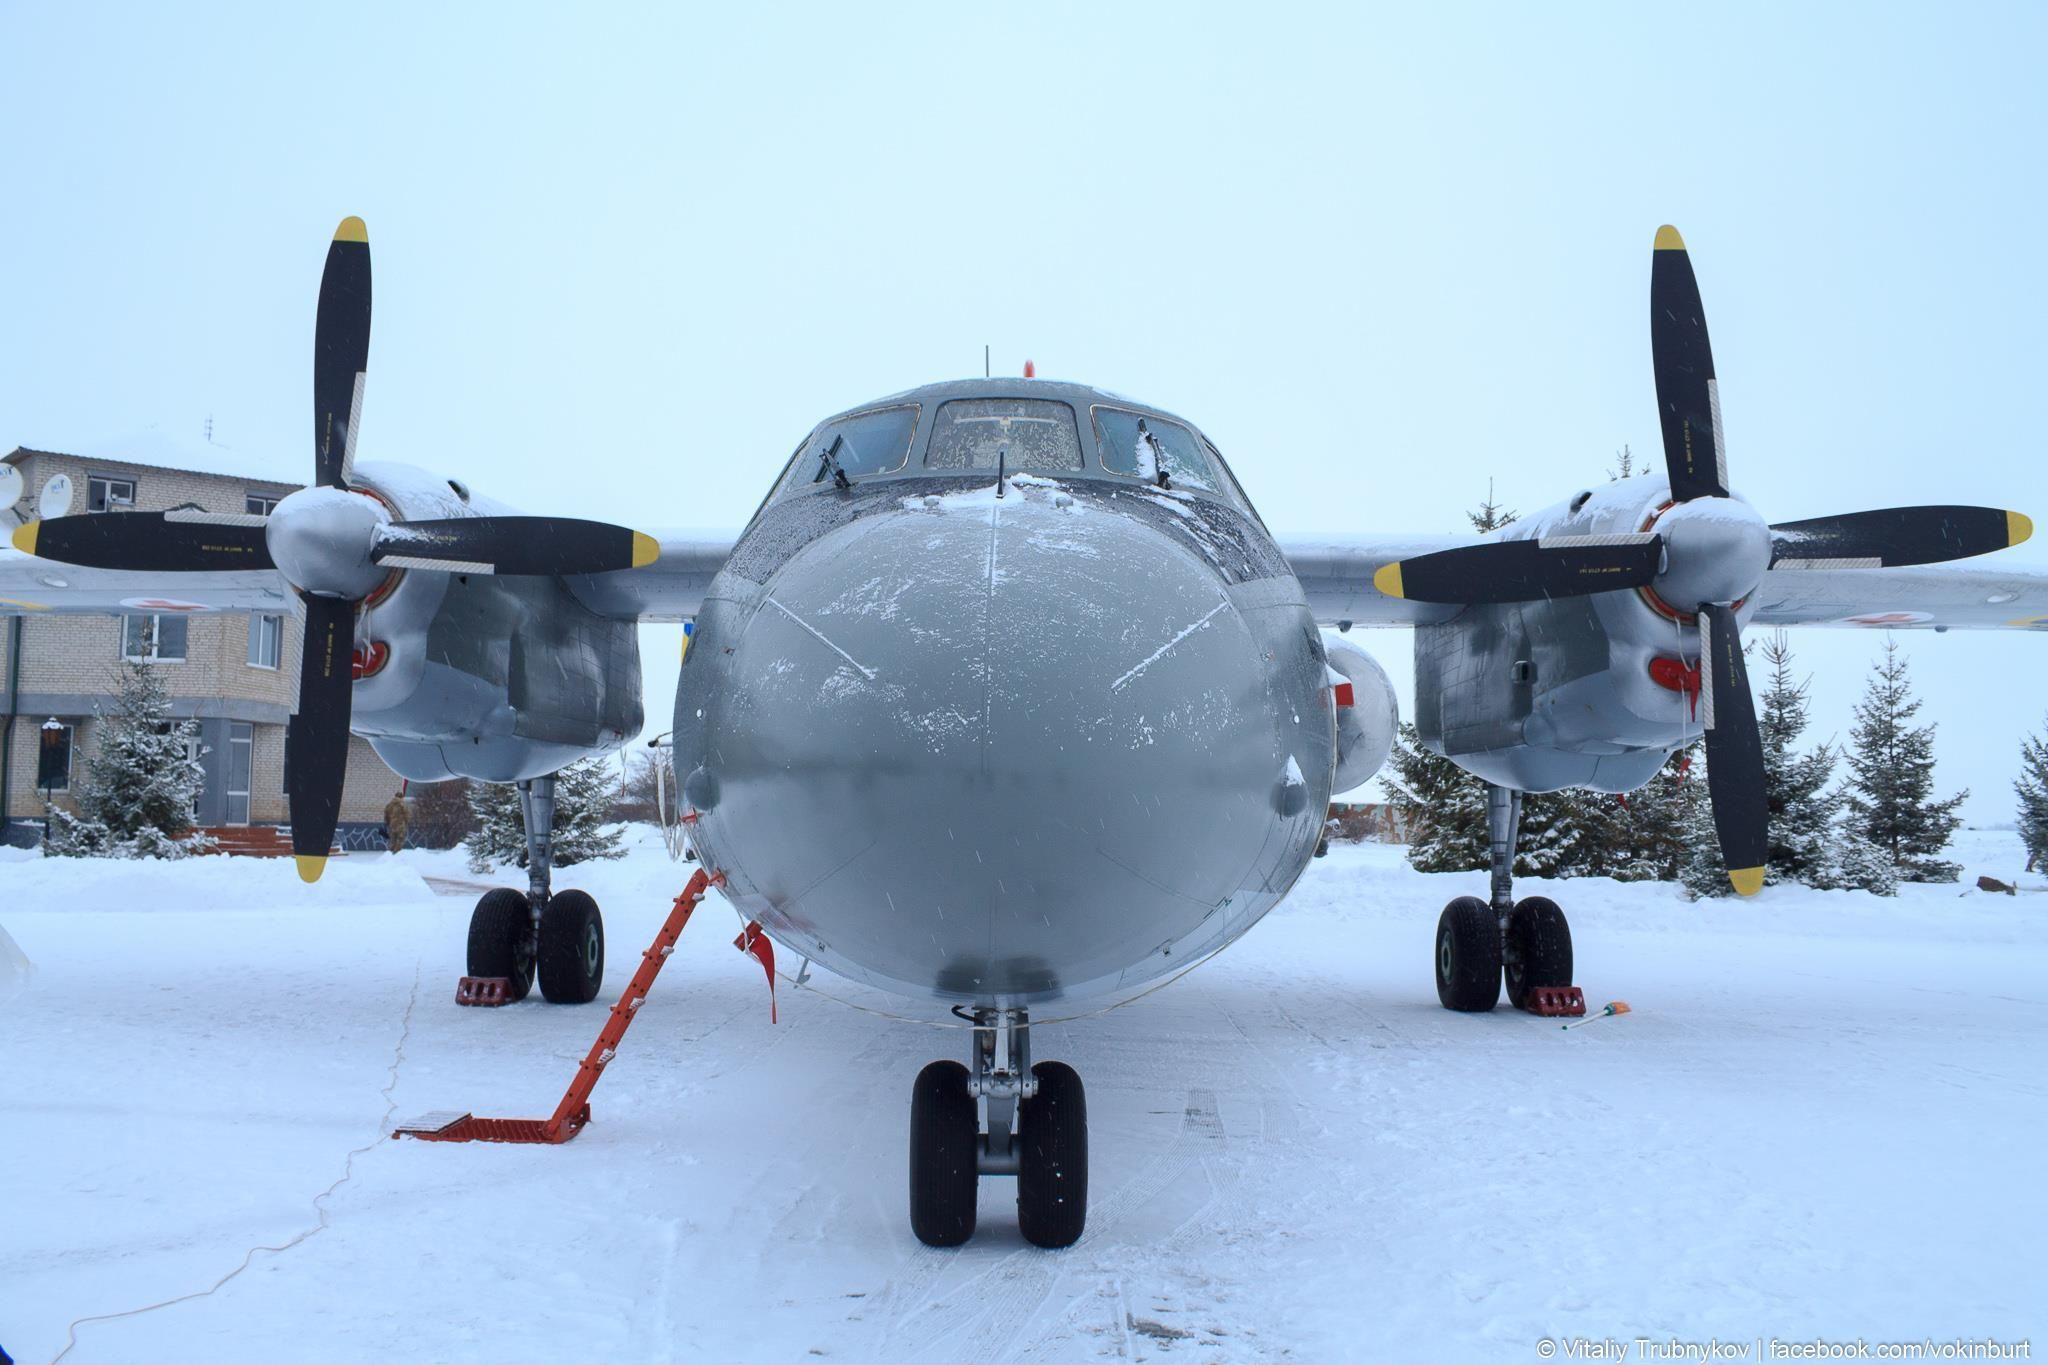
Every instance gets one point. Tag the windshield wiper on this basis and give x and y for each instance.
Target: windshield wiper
(1158, 453)
(829, 459)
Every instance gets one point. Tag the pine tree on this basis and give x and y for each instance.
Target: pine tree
(2032, 787)
(1441, 805)
(1891, 763)
(584, 792)
(1808, 841)
(1491, 516)
(141, 782)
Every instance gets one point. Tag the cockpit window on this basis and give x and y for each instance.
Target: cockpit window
(1126, 449)
(876, 442)
(1013, 433)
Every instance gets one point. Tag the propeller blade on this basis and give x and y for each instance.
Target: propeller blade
(1525, 570)
(1735, 751)
(152, 542)
(513, 545)
(1896, 536)
(1688, 401)
(341, 353)
(316, 744)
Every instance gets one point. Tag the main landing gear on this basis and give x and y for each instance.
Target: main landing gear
(1037, 1132)
(1478, 945)
(515, 937)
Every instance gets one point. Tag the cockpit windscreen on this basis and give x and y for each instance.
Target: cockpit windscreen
(1126, 449)
(875, 442)
(1011, 433)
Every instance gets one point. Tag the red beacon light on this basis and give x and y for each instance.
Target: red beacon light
(1030, 370)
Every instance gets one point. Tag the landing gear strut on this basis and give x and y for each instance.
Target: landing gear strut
(1037, 1131)
(1480, 943)
(557, 938)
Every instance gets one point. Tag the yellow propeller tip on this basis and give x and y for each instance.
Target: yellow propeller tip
(1747, 881)
(352, 229)
(1669, 240)
(25, 537)
(646, 549)
(2018, 527)
(311, 865)
(1388, 579)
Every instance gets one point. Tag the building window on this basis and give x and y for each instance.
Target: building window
(241, 762)
(103, 493)
(153, 639)
(53, 760)
(266, 641)
(257, 506)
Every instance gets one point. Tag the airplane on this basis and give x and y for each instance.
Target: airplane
(1006, 696)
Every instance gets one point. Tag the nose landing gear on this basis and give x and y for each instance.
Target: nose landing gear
(1037, 1131)
(1478, 944)
(514, 938)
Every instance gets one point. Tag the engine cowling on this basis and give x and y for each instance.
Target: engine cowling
(1367, 721)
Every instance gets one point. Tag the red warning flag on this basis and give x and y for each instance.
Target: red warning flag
(756, 945)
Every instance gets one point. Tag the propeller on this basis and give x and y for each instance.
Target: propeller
(1708, 553)
(334, 545)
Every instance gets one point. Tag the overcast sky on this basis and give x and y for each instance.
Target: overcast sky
(1380, 254)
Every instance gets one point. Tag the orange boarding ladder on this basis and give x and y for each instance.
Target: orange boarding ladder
(574, 1111)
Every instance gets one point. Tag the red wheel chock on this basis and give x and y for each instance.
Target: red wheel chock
(1554, 1001)
(573, 1112)
(484, 990)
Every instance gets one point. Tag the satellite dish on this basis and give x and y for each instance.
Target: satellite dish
(55, 499)
(10, 485)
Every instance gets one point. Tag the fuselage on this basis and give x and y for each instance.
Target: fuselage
(998, 717)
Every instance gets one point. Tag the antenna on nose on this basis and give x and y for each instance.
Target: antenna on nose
(984, 360)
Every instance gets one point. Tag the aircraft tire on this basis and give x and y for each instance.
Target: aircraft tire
(571, 949)
(498, 934)
(1052, 1166)
(945, 1153)
(1538, 949)
(1468, 956)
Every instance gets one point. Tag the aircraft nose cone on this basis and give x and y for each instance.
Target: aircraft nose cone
(320, 539)
(1716, 550)
(1000, 749)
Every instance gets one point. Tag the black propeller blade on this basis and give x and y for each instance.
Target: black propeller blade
(1735, 751)
(159, 542)
(316, 744)
(513, 545)
(1897, 536)
(341, 353)
(1687, 400)
(1525, 570)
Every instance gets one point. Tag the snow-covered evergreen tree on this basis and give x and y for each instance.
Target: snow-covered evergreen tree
(1441, 805)
(141, 782)
(1491, 516)
(1808, 842)
(584, 793)
(1891, 784)
(2032, 787)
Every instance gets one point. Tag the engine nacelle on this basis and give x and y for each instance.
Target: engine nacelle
(1366, 725)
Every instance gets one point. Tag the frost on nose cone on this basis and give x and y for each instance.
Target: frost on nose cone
(1001, 750)
(320, 539)
(1716, 550)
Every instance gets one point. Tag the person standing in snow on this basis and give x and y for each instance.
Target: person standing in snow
(396, 819)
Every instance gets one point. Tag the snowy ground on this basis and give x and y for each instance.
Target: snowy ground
(1825, 1117)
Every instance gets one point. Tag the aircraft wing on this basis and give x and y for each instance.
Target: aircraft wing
(28, 584)
(1336, 572)
(669, 589)
(1929, 597)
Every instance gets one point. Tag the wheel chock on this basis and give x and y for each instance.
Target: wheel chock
(484, 990)
(1554, 1001)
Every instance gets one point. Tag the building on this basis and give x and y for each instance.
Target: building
(236, 675)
